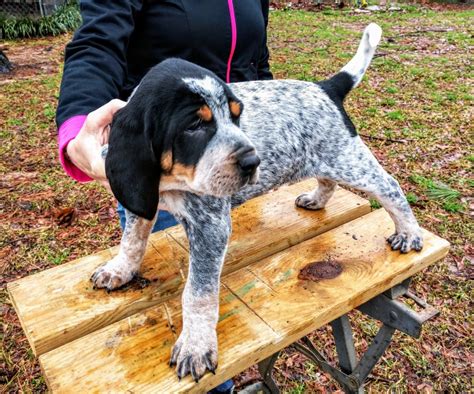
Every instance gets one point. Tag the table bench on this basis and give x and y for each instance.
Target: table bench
(93, 341)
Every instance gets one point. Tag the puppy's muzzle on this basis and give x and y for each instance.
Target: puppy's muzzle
(247, 162)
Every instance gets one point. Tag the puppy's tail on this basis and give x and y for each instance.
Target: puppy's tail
(358, 65)
(352, 73)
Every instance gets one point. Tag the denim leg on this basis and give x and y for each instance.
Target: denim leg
(121, 213)
(165, 219)
(224, 388)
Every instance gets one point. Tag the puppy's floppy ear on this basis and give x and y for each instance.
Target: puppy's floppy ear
(132, 164)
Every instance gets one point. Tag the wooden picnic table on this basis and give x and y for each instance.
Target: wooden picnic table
(92, 341)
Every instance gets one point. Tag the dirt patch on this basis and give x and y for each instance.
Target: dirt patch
(31, 58)
(319, 270)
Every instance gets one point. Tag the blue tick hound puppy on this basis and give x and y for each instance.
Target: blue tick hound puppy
(185, 143)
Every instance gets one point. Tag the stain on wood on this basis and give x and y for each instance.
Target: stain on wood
(326, 269)
(137, 283)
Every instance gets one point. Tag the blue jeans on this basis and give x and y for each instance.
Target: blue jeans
(165, 220)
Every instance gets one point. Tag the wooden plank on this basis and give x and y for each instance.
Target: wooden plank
(59, 305)
(268, 224)
(132, 355)
(294, 307)
(266, 309)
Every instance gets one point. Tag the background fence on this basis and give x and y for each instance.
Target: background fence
(29, 8)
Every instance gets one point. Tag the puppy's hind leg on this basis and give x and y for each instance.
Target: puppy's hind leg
(359, 169)
(407, 234)
(318, 198)
(123, 267)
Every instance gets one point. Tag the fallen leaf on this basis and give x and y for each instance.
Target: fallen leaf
(64, 217)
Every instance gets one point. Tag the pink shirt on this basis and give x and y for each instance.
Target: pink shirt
(68, 131)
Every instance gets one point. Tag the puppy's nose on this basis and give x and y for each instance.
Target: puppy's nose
(248, 162)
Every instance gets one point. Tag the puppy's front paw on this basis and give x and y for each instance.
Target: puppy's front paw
(406, 241)
(194, 352)
(114, 274)
(307, 201)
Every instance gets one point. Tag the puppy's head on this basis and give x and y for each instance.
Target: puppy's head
(180, 126)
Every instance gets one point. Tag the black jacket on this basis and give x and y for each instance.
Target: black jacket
(119, 41)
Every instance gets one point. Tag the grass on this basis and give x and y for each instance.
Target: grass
(446, 196)
(66, 18)
(419, 93)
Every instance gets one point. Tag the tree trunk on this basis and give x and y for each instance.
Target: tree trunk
(5, 65)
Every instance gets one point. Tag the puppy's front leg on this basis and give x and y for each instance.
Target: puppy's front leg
(123, 267)
(207, 223)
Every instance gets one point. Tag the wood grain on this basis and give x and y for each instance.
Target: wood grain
(59, 305)
(264, 307)
(271, 223)
(132, 355)
(271, 286)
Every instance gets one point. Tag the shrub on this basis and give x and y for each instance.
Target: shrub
(64, 19)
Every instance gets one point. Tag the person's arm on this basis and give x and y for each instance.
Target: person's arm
(94, 71)
(263, 67)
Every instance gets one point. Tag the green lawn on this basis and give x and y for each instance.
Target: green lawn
(414, 109)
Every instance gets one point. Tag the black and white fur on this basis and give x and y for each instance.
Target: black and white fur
(295, 129)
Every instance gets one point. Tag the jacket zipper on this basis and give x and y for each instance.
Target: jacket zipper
(233, 26)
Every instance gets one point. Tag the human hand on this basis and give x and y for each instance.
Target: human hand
(84, 151)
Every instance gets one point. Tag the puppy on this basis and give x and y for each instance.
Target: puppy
(185, 143)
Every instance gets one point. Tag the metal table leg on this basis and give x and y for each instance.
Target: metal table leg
(352, 373)
(265, 368)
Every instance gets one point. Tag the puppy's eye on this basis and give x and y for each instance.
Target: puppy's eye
(195, 125)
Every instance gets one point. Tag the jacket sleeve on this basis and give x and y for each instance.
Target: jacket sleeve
(95, 67)
(263, 68)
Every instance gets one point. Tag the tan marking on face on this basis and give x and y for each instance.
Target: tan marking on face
(235, 108)
(205, 113)
(181, 171)
(167, 161)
